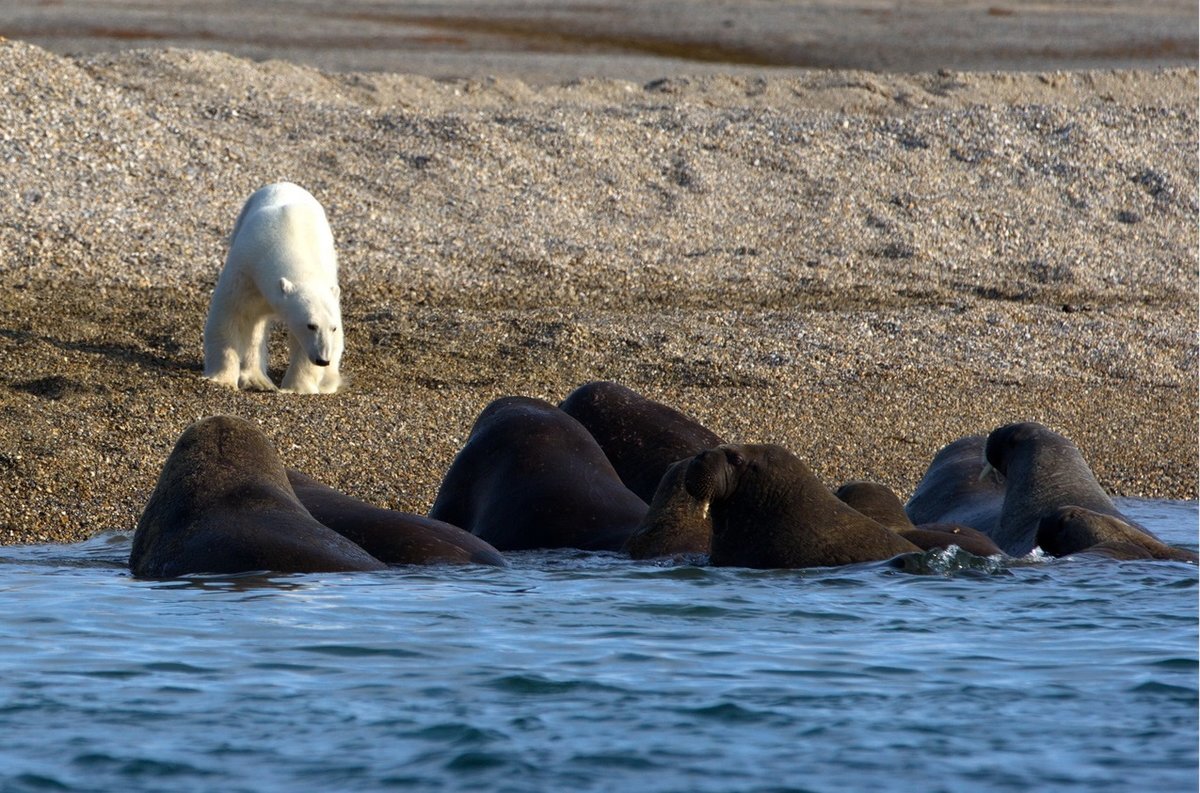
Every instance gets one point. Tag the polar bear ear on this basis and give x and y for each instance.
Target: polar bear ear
(337, 292)
(286, 286)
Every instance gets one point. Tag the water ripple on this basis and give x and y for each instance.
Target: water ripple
(357, 651)
(589, 672)
(527, 684)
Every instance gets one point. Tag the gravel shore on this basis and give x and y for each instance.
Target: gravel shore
(859, 266)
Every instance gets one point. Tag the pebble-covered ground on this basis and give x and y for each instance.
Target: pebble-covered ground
(862, 267)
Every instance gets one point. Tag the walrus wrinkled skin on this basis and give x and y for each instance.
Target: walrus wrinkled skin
(390, 536)
(677, 523)
(223, 505)
(642, 438)
(1117, 550)
(530, 476)
(770, 511)
(1042, 472)
(952, 491)
(1075, 530)
(881, 505)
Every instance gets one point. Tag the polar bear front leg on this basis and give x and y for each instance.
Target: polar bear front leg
(302, 376)
(331, 379)
(253, 375)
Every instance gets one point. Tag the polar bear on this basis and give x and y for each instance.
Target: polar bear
(281, 265)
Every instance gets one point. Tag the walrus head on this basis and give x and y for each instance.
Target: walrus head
(1064, 531)
(876, 501)
(1005, 443)
(760, 473)
(714, 473)
(1072, 529)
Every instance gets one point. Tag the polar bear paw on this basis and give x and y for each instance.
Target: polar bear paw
(222, 379)
(255, 381)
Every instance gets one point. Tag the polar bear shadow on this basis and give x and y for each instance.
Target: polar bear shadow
(281, 267)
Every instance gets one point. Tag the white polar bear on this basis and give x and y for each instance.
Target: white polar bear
(281, 265)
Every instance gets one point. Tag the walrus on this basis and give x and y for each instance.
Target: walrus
(223, 504)
(530, 476)
(881, 505)
(390, 536)
(1074, 530)
(676, 524)
(1117, 550)
(952, 491)
(770, 511)
(1042, 472)
(640, 437)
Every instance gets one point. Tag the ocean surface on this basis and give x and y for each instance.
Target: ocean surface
(588, 672)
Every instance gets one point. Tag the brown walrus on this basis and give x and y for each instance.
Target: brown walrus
(1074, 530)
(770, 511)
(881, 505)
(640, 437)
(676, 524)
(223, 504)
(952, 490)
(390, 536)
(1042, 472)
(530, 476)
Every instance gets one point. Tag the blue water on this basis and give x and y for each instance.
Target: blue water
(589, 672)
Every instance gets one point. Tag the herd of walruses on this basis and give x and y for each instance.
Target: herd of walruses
(609, 469)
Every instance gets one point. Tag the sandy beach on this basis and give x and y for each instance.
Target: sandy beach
(859, 265)
(545, 42)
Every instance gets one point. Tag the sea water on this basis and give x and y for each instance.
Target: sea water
(573, 671)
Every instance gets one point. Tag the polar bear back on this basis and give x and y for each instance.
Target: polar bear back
(284, 224)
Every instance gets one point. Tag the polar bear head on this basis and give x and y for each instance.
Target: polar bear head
(314, 318)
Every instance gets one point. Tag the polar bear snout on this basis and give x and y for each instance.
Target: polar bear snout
(324, 347)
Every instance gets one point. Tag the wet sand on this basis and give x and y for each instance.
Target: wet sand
(860, 266)
(551, 41)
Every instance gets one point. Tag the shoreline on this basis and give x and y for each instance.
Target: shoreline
(97, 415)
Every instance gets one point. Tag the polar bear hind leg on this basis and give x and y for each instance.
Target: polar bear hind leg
(221, 365)
(235, 335)
(222, 359)
(253, 375)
